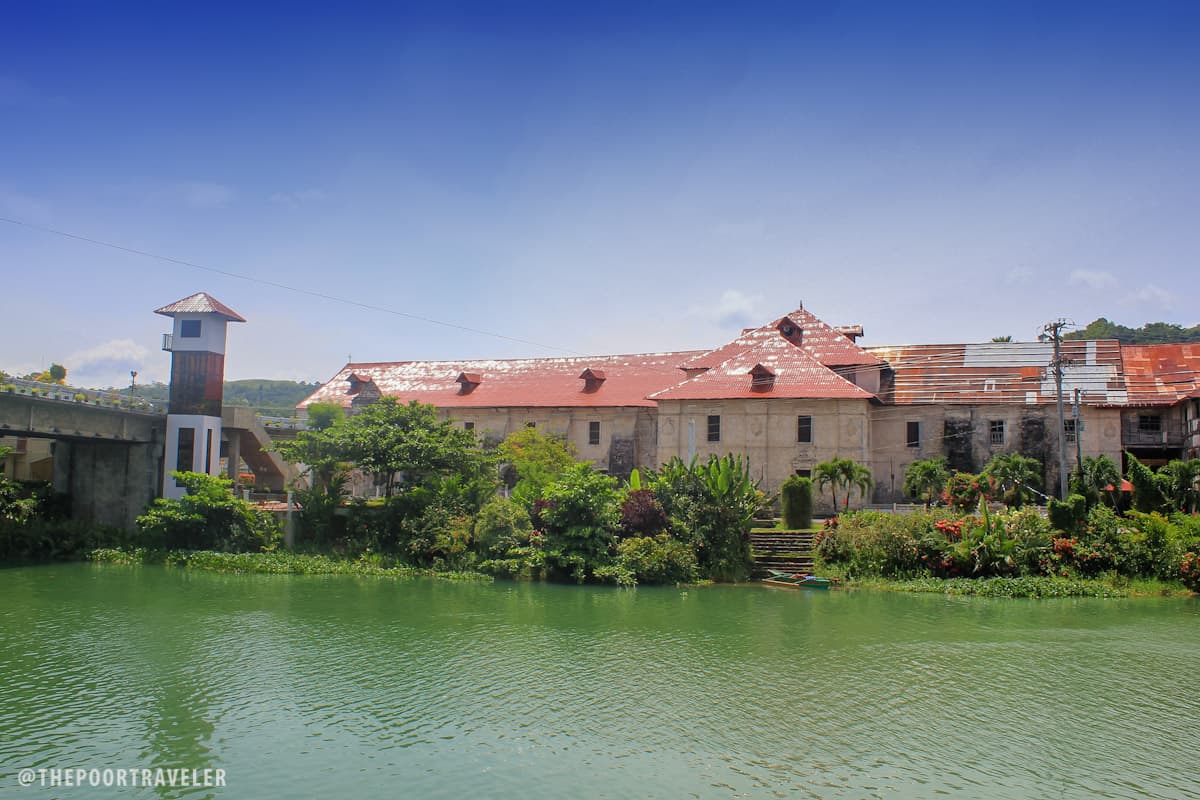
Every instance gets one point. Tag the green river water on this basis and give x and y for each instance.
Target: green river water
(338, 686)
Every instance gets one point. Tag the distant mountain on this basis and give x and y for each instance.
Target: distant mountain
(269, 398)
(1150, 333)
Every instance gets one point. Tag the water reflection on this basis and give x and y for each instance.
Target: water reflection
(343, 686)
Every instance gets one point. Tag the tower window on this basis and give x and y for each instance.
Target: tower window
(189, 329)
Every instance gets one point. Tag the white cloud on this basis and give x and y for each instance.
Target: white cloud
(297, 199)
(1093, 279)
(1019, 275)
(200, 194)
(734, 307)
(106, 364)
(1151, 294)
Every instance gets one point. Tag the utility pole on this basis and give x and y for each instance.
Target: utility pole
(1078, 434)
(1053, 332)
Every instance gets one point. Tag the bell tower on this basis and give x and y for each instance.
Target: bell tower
(197, 346)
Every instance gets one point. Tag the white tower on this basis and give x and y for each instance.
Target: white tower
(197, 347)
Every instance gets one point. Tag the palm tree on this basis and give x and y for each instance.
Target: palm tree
(1178, 480)
(924, 480)
(1014, 473)
(843, 472)
(1102, 476)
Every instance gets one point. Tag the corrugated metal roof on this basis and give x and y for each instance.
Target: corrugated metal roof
(796, 375)
(1161, 374)
(1003, 372)
(200, 303)
(523, 382)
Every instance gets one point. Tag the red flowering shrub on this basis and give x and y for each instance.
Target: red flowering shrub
(1189, 571)
(963, 490)
(642, 514)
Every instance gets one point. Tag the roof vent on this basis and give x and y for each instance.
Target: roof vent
(592, 379)
(467, 381)
(762, 378)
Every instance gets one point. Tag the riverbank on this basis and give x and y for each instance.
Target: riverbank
(1031, 587)
(274, 563)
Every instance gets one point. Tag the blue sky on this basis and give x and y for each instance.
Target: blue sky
(596, 178)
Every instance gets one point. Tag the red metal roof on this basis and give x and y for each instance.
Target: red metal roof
(200, 303)
(797, 374)
(1161, 374)
(1002, 372)
(823, 343)
(525, 382)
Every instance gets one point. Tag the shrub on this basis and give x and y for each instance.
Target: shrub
(642, 514)
(1189, 570)
(964, 490)
(651, 559)
(581, 521)
(1068, 516)
(501, 526)
(208, 517)
(797, 502)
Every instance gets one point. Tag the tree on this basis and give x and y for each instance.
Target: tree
(796, 492)
(843, 473)
(1014, 475)
(391, 439)
(536, 460)
(322, 416)
(925, 480)
(1102, 477)
(57, 372)
(1177, 483)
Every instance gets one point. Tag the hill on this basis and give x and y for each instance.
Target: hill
(266, 397)
(1150, 333)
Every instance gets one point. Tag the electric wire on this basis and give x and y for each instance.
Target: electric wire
(284, 286)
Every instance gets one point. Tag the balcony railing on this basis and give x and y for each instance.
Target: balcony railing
(1166, 434)
(167, 341)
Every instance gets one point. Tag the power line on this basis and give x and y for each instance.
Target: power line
(278, 285)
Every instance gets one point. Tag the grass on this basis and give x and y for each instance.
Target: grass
(1110, 586)
(275, 563)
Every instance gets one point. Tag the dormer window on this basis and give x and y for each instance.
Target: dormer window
(762, 378)
(592, 379)
(356, 383)
(790, 330)
(467, 381)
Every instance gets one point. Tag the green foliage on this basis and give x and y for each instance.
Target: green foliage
(535, 460)
(1150, 333)
(925, 480)
(845, 474)
(1068, 516)
(501, 526)
(1013, 475)
(1101, 477)
(796, 493)
(1177, 483)
(963, 490)
(581, 519)
(318, 508)
(207, 517)
(322, 416)
(1147, 491)
(649, 560)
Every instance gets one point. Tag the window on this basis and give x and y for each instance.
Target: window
(594, 432)
(189, 329)
(1069, 432)
(912, 434)
(804, 430)
(186, 453)
(714, 427)
(804, 473)
(1150, 423)
(996, 427)
(530, 424)
(468, 426)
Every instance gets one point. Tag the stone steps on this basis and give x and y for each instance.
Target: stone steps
(785, 551)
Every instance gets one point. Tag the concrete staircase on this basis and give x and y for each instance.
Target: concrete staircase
(786, 551)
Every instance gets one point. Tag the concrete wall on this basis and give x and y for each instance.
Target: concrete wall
(110, 483)
(962, 433)
(765, 432)
(627, 434)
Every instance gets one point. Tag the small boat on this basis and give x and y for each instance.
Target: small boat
(798, 581)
